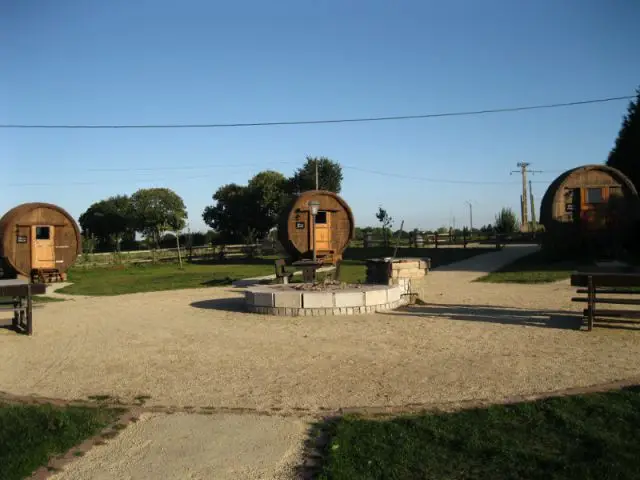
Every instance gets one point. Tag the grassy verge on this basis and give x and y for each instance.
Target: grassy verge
(534, 268)
(31, 434)
(150, 278)
(592, 436)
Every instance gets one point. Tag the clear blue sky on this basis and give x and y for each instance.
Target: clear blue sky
(160, 61)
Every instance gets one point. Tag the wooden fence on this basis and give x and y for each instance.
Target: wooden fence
(221, 252)
(217, 252)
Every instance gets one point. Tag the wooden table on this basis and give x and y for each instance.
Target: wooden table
(21, 292)
(309, 268)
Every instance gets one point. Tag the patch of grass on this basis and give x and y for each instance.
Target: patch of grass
(534, 268)
(592, 436)
(152, 278)
(31, 434)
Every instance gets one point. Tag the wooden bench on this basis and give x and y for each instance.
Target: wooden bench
(21, 304)
(608, 284)
(282, 275)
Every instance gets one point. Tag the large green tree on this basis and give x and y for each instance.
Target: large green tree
(625, 155)
(245, 213)
(329, 176)
(231, 212)
(157, 210)
(109, 221)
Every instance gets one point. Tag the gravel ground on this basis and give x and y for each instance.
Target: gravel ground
(194, 348)
(469, 341)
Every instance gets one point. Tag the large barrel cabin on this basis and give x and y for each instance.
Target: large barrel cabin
(334, 227)
(38, 240)
(592, 206)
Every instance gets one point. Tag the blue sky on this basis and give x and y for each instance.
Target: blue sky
(161, 61)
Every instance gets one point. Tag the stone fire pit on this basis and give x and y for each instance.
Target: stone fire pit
(306, 299)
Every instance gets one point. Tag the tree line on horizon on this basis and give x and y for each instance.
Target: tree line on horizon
(247, 213)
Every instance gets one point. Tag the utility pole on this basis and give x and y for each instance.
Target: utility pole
(533, 208)
(523, 199)
(470, 215)
(317, 180)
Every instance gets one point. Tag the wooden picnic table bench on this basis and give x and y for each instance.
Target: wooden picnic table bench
(21, 304)
(600, 283)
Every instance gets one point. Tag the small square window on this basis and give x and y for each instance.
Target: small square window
(594, 195)
(42, 233)
(321, 218)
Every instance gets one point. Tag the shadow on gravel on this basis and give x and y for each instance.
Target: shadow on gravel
(225, 304)
(513, 316)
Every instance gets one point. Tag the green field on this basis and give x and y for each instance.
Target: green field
(594, 436)
(121, 279)
(31, 434)
(534, 268)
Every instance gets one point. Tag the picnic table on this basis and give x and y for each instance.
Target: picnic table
(21, 303)
(309, 268)
(608, 282)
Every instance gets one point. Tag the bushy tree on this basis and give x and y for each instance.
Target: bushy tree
(625, 155)
(506, 221)
(329, 176)
(109, 221)
(157, 210)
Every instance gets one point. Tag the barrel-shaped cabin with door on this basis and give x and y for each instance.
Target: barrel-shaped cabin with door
(589, 206)
(329, 231)
(38, 240)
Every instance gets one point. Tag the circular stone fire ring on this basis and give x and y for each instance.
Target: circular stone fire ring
(302, 300)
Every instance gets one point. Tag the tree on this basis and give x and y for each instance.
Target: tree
(109, 221)
(246, 213)
(267, 197)
(386, 222)
(625, 155)
(157, 210)
(329, 176)
(506, 221)
(230, 214)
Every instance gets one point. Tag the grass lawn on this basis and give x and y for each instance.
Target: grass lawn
(594, 436)
(31, 434)
(121, 279)
(150, 278)
(534, 268)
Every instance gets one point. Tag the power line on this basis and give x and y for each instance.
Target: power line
(209, 175)
(316, 122)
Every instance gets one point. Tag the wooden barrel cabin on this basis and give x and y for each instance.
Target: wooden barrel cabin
(589, 206)
(334, 227)
(38, 240)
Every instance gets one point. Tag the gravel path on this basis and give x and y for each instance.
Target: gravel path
(179, 446)
(470, 341)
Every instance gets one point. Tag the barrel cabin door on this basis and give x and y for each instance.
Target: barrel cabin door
(42, 247)
(323, 232)
(593, 206)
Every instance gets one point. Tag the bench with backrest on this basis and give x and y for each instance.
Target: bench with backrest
(282, 275)
(19, 294)
(608, 288)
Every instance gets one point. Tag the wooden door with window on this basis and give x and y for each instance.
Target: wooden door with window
(323, 231)
(593, 206)
(43, 252)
